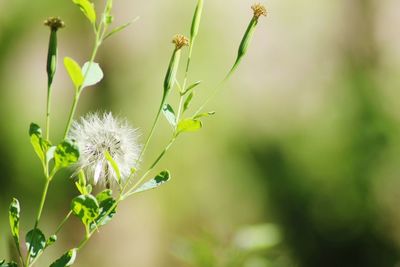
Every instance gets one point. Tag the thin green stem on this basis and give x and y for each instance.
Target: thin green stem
(42, 201)
(153, 127)
(98, 41)
(154, 164)
(48, 108)
(216, 90)
(61, 225)
(71, 114)
(185, 79)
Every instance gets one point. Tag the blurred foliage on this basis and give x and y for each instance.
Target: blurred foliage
(306, 137)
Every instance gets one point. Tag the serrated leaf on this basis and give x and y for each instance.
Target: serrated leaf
(74, 72)
(120, 28)
(14, 216)
(160, 179)
(65, 155)
(94, 75)
(207, 114)
(189, 125)
(169, 114)
(87, 8)
(106, 202)
(35, 242)
(86, 208)
(188, 101)
(114, 165)
(66, 260)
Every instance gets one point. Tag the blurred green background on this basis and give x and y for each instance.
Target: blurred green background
(299, 167)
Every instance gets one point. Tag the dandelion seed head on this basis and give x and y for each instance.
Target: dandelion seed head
(97, 133)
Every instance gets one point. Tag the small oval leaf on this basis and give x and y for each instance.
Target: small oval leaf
(65, 155)
(14, 216)
(35, 242)
(66, 260)
(93, 76)
(189, 125)
(38, 143)
(87, 8)
(160, 179)
(74, 72)
(86, 208)
(169, 114)
(106, 202)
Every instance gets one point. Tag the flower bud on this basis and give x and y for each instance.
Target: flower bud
(258, 10)
(54, 23)
(196, 20)
(179, 41)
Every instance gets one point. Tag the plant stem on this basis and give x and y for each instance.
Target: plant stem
(48, 111)
(153, 127)
(123, 195)
(44, 195)
(71, 114)
(216, 90)
(61, 225)
(99, 39)
(185, 79)
(131, 190)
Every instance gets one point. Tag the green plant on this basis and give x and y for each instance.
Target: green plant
(102, 148)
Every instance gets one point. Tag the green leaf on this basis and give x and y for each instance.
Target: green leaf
(207, 114)
(106, 202)
(189, 125)
(66, 154)
(114, 165)
(39, 144)
(86, 208)
(3, 263)
(14, 216)
(50, 153)
(191, 87)
(188, 101)
(35, 242)
(74, 72)
(87, 8)
(51, 240)
(169, 114)
(81, 185)
(66, 260)
(94, 75)
(160, 179)
(120, 28)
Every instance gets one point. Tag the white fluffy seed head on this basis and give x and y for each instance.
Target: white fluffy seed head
(97, 133)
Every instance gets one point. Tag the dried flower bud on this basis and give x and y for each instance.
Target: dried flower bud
(54, 23)
(259, 10)
(180, 41)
